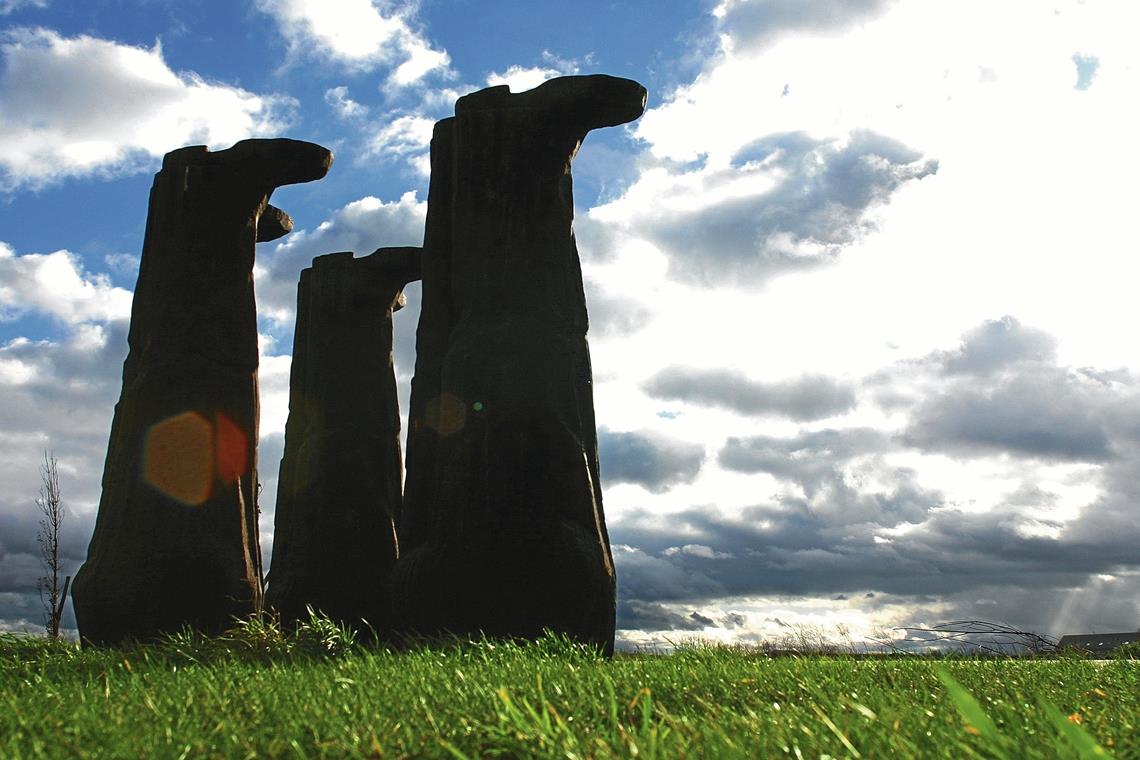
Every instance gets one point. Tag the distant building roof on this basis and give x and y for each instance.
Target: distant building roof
(1098, 643)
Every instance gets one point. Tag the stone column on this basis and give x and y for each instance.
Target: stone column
(342, 472)
(503, 530)
(175, 540)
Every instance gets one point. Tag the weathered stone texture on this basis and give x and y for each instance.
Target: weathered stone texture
(175, 540)
(341, 474)
(503, 529)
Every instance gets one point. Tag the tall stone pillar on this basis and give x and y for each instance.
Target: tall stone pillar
(342, 472)
(175, 540)
(503, 530)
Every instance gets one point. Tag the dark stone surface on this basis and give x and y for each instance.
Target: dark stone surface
(341, 474)
(503, 529)
(175, 540)
(274, 223)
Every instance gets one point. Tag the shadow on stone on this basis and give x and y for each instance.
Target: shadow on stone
(175, 540)
(341, 474)
(503, 530)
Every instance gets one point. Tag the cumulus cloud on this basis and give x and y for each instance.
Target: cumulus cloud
(997, 344)
(1003, 391)
(612, 314)
(697, 550)
(343, 106)
(523, 78)
(56, 395)
(787, 202)
(1047, 413)
(808, 457)
(404, 138)
(113, 108)
(647, 575)
(756, 23)
(810, 397)
(66, 389)
(59, 396)
(360, 226)
(57, 284)
(840, 477)
(648, 616)
(359, 34)
(647, 459)
(849, 522)
(790, 550)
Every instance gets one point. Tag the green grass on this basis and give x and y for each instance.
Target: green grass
(319, 694)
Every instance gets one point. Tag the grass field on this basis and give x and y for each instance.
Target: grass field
(321, 695)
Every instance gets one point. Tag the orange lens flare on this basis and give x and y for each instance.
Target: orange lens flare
(179, 458)
(232, 450)
(446, 415)
(183, 456)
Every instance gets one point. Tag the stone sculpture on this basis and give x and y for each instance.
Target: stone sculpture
(175, 541)
(342, 472)
(503, 530)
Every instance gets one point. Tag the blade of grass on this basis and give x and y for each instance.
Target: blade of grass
(972, 711)
(1085, 745)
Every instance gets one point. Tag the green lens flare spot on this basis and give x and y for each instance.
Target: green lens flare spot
(477, 406)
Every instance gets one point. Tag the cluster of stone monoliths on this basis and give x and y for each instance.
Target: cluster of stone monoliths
(499, 528)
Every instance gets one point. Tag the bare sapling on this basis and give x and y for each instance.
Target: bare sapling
(52, 585)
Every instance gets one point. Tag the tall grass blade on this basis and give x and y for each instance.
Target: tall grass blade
(972, 711)
(1085, 745)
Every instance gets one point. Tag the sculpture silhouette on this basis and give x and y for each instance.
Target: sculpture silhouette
(503, 530)
(175, 540)
(341, 474)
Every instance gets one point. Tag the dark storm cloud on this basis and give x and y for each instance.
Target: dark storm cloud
(1002, 391)
(830, 535)
(647, 616)
(1047, 413)
(807, 457)
(733, 620)
(20, 565)
(756, 23)
(789, 550)
(810, 397)
(819, 205)
(1108, 604)
(642, 575)
(647, 459)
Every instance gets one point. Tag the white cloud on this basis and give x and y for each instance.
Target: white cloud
(421, 60)
(361, 226)
(111, 108)
(7, 6)
(404, 138)
(360, 34)
(57, 284)
(763, 204)
(753, 23)
(343, 106)
(523, 78)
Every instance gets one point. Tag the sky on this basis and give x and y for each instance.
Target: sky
(861, 281)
